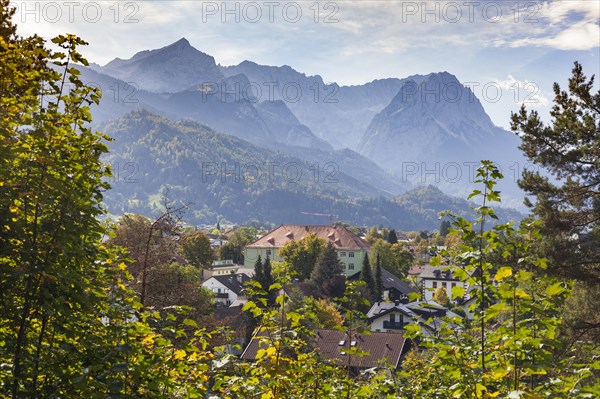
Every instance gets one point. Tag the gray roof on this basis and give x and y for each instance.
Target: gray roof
(391, 281)
(232, 281)
(437, 273)
(425, 313)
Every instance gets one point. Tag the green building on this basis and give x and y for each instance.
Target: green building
(351, 249)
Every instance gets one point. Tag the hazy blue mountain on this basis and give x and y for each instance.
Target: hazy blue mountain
(170, 69)
(435, 131)
(120, 98)
(212, 104)
(337, 114)
(218, 175)
(352, 164)
(283, 124)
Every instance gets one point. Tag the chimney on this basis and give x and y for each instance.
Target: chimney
(404, 299)
(239, 278)
(397, 302)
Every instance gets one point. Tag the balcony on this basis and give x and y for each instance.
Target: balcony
(393, 325)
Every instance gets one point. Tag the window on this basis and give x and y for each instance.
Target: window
(351, 254)
(434, 284)
(392, 318)
(350, 266)
(342, 254)
(268, 252)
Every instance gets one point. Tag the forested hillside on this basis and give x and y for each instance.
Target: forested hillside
(221, 176)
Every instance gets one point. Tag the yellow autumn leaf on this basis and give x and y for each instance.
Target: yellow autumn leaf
(499, 374)
(148, 339)
(179, 354)
(503, 273)
(520, 293)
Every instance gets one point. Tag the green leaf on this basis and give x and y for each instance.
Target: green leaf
(458, 292)
(555, 289)
(190, 323)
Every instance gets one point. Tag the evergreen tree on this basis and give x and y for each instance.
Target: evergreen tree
(327, 277)
(445, 228)
(367, 276)
(267, 282)
(568, 204)
(392, 238)
(378, 280)
(263, 275)
(258, 269)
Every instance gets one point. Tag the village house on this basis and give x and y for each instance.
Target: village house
(393, 288)
(351, 249)
(403, 238)
(220, 268)
(228, 288)
(395, 316)
(384, 350)
(225, 268)
(433, 277)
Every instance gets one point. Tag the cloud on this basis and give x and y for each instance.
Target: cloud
(394, 27)
(562, 25)
(581, 36)
(524, 92)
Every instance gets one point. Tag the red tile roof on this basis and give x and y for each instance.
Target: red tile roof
(339, 236)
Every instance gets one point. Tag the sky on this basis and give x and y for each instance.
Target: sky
(508, 52)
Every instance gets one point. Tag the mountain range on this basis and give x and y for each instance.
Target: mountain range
(383, 138)
(219, 175)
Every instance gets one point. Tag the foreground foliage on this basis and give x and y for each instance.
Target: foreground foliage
(510, 349)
